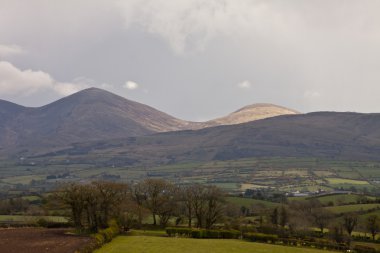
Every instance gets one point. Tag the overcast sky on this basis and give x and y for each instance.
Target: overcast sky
(194, 59)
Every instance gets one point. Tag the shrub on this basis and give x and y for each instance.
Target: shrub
(259, 237)
(173, 231)
(203, 233)
(41, 222)
(99, 239)
(214, 234)
(230, 234)
(364, 249)
(198, 233)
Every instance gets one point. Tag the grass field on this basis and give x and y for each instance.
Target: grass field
(339, 199)
(26, 218)
(147, 244)
(247, 202)
(339, 181)
(352, 208)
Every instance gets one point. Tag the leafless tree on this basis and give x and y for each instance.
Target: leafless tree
(373, 225)
(321, 218)
(350, 220)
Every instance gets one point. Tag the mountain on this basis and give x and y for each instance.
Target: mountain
(332, 135)
(91, 114)
(95, 114)
(250, 113)
(8, 111)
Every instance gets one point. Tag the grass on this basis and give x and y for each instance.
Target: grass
(339, 181)
(339, 199)
(352, 208)
(27, 218)
(247, 202)
(146, 244)
(147, 233)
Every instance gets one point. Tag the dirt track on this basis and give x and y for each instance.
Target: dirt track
(39, 240)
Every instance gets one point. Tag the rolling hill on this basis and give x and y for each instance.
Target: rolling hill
(91, 114)
(332, 135)
(250, 113)
(95, 114)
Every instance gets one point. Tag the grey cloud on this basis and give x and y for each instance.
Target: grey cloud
(192, 54)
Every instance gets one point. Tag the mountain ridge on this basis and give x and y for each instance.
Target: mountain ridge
(327, 135)
(91, 114)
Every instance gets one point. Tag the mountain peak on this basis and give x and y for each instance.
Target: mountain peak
(251, 113)
(265, 106)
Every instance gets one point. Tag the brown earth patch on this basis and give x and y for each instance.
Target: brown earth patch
(40, 240)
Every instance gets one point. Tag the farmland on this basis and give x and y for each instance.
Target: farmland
(282, 174)
(37, 240)
(148, 244)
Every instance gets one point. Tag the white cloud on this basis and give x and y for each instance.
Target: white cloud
(245, 85)
(190, 24)
(14, 81)
(8, 50)
(130, 85)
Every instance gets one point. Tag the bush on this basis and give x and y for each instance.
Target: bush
(203, 233)
(230, 234)
(214, 234)
(173, 231)
(259, 237)
(364, 249)
(198, 233)
(41, 222)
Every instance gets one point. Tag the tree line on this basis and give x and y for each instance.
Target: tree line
(93, 205)
(303, 215)
(160, 202)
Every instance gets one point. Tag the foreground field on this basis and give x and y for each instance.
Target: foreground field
(150, 244)
(38, 240)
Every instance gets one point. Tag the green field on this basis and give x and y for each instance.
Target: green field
(26, 218)
(147, 244)
(339, 181)
(247, 202)
(352, 208)
(340, 199)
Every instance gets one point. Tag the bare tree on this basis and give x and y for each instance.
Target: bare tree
(199, 203)
(321, 218)
(274, 217)
(188, 194)
(284, 217)
(350, 222)
(93, 205)
(139, 196)
(72, 196)
(155, 195)
(168, 204)
(214, 205)
(373, 225)
(110, 196)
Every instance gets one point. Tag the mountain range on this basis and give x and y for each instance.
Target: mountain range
(94, 123)
(95, 114)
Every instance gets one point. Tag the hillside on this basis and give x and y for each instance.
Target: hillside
(91, 114)
(325, 134)
(95, 114)
(250, 113)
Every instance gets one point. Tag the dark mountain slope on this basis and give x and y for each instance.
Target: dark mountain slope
(323, 134)
(91, 114)
(95, 114)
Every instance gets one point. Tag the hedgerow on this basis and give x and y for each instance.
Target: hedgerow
(203, 233)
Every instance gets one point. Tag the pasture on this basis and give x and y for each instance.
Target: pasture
(151, 244)
(352, 208)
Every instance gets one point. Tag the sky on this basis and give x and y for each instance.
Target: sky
(194, 59)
